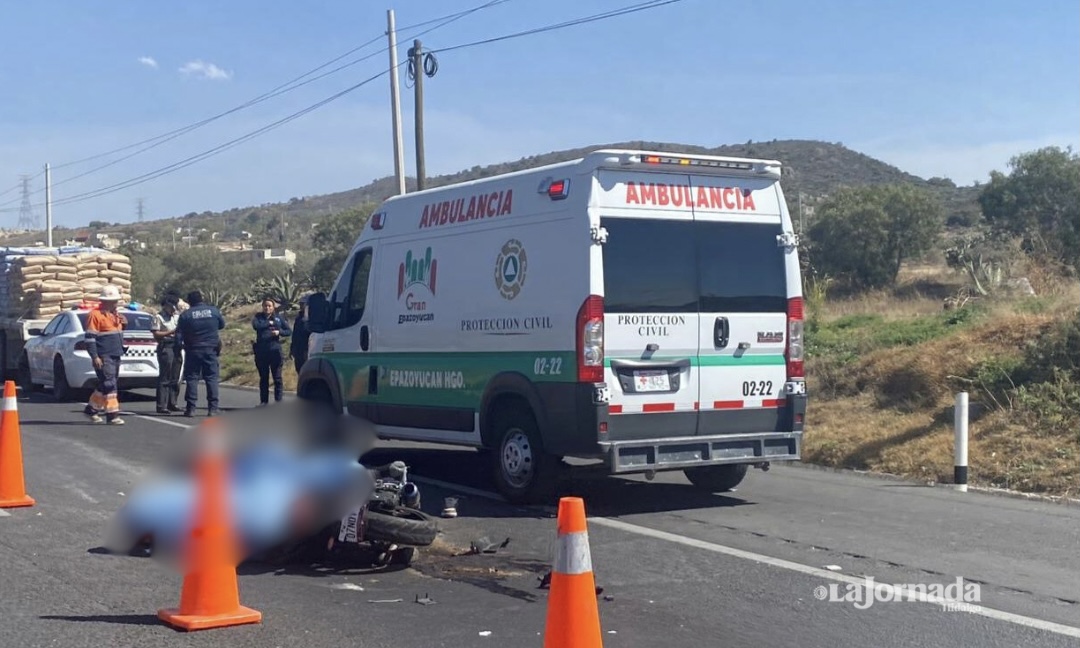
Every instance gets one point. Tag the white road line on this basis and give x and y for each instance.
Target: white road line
(163, 421)
(896, 592)
(4, 513)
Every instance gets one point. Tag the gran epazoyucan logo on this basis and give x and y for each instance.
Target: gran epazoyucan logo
(417, 270)
(954, 597)
(510, 269)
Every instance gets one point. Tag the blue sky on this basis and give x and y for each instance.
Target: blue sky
(936, 88)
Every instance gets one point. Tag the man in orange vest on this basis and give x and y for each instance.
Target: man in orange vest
(105, 342)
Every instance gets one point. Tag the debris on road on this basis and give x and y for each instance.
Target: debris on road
(545, 583)
(427, 600)
(397, 600)
(450, 507)
(484, 545)
(485, 633)
(834, 567)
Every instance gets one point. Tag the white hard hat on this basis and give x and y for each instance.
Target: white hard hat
(109, 293)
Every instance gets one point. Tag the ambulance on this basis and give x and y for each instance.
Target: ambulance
(640, 308)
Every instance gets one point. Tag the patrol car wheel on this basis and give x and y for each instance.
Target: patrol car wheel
(26, 382)
(524, 472)
(717, 479)
(61, 390)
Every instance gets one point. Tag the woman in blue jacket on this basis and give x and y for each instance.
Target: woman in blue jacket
(270, 330)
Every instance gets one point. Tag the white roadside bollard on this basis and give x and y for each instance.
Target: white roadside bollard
(960, 426)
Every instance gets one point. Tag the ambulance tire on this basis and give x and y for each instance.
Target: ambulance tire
(524, 472)
(717, 479)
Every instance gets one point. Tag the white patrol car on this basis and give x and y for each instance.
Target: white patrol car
(644, 308)
(57, 356)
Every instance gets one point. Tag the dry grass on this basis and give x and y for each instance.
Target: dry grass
(890, 409)
(856, 433)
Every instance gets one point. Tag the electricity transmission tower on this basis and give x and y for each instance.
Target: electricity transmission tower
(27, 219)
(139, 210)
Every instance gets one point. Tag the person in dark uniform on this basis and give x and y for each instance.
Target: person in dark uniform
(298, 347)
(270, 330)
(198, 331)
(168, 354)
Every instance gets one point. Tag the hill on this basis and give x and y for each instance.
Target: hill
(812, 168)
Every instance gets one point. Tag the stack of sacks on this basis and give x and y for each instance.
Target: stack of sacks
(38, 283)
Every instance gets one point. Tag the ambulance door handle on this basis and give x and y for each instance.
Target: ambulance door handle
(365, 338)
(721, 332)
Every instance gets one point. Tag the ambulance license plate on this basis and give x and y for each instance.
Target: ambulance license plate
(651, 381)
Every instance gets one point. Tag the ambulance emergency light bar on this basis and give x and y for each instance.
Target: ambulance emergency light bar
(686, 160)
(555, 189)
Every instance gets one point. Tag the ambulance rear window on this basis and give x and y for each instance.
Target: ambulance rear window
(653, 266)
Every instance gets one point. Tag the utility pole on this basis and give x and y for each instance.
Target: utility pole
(48, 206)
(395, 104)
(417, 73)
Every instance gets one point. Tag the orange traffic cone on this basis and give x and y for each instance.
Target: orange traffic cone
(210, 596)
(573, 617)
(12, 483)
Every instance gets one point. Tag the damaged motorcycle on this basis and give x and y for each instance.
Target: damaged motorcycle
(282, 500)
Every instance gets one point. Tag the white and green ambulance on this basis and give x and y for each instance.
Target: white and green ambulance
(643, 308)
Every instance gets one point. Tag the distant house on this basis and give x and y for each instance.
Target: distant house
(244, 254)
(108, 240)
(82, 237)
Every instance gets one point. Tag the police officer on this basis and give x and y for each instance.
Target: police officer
(198, 333)
(298, 348)
(270, 330)
(168, 354)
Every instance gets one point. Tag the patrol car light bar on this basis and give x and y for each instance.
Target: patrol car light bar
(690, 161)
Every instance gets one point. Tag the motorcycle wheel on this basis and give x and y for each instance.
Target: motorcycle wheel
(401, 526)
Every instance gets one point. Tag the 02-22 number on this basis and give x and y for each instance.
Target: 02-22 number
(547, 366)
(757, 388)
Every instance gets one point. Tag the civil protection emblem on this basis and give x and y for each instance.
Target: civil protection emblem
(510, 269)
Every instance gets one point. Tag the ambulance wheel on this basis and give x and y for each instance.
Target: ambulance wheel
(524, 472)
(717, 479)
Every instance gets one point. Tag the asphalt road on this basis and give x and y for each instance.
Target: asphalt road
(679, 567)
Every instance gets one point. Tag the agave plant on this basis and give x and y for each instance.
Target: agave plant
(223, 298)
(285, 289)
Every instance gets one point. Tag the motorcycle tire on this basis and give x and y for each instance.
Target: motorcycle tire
(402, 526)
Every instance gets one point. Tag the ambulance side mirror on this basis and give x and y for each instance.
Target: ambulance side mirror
(318, 313)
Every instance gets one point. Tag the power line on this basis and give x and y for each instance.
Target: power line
(283, 88)
(260, 131)
(569, 23)
(288, 86)
(177, 166)
(221, 148)
(19, 186)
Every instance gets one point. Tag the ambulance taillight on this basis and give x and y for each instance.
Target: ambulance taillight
(590, 340)
(794, 351)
